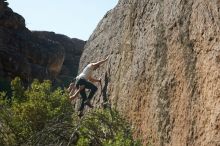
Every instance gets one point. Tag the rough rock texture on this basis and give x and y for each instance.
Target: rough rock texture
(73, 50)
(33, 55)
(164, 70)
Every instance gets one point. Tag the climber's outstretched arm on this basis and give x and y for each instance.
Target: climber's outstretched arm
(100, 62)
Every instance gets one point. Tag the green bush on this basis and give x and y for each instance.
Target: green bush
(31, 109)
(41, 115)
(17, 89)
(101, 127)
(107, 128)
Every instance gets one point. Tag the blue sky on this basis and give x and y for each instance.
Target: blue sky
(74, 18)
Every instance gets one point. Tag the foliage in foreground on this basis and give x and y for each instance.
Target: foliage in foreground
(41, 115)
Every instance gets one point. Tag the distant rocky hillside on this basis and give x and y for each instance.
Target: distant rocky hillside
(73, 50)
(42, 55)
(164, 70)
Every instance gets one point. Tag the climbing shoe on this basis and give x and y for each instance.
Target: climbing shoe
(80, 114)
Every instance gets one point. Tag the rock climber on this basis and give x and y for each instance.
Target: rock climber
(85, 81)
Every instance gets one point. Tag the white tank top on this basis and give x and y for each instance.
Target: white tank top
(87, 72)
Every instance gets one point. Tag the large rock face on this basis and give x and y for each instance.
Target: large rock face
(163, 73)
(34, 54)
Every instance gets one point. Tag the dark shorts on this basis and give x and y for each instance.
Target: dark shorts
(80, 82)
(87, 85)
(83, 82)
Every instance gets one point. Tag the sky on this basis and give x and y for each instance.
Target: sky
(74, 18)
